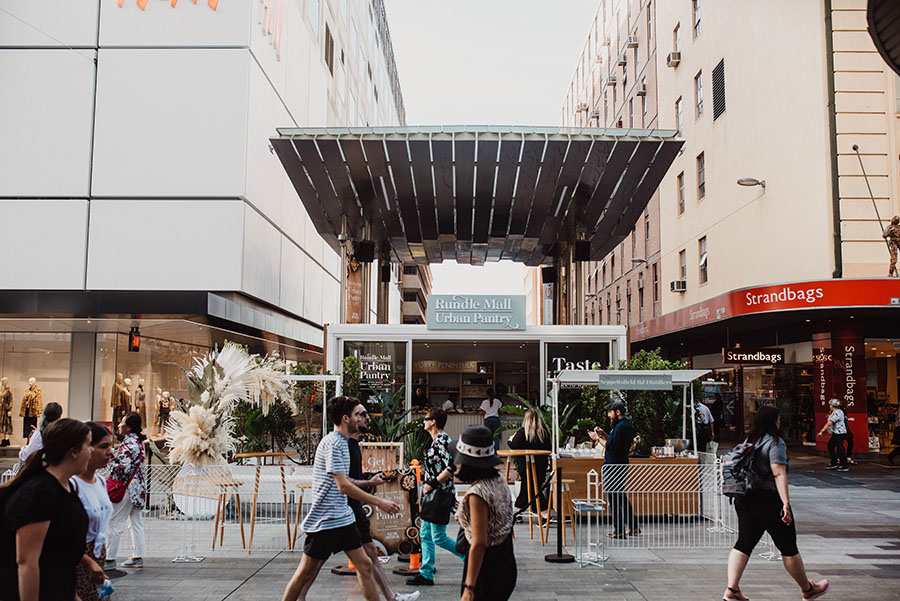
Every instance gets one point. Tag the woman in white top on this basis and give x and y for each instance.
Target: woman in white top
(92, 492)
(491, 407)
(52, 412)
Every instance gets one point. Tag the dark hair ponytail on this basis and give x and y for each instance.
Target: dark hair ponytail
(59, 439)
(52, 412)
(764, 423)
(133, 421)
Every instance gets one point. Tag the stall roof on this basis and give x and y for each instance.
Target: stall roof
(680, 377)
(475, 193)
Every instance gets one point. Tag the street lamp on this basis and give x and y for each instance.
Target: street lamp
(637, 261)
(752, 181)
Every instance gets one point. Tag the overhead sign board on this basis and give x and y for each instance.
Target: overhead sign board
(476, 312)
(753, 356)
(621, 381)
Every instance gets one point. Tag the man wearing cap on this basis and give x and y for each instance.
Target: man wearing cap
(615, 472)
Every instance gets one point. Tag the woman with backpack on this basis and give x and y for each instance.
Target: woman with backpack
(44, 525)
(767, 508)
(127, 492)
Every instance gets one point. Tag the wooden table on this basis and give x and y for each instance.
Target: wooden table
(260, 461)
(530, 476)
(674, 490)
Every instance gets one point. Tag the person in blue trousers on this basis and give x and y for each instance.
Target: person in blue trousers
(438, 465)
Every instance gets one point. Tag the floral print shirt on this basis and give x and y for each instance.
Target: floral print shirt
(438, 459)
(130, 457)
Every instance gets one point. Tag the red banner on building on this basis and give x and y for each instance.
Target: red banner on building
(839, 359)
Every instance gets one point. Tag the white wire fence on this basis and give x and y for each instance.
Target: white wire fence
(668, 506)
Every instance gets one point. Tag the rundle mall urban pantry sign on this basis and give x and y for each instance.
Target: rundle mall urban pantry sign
(476, 312)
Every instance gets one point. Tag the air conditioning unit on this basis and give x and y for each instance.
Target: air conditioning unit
(631, 41)
(582, 106)
(610, 81)
(595, 114)
(678, 286)
(673, 59)
(641, 89)
(621, 61)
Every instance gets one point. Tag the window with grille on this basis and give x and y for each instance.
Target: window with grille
(646, 235)
(680, 181)
(698, 93)
(631, 113)
(329, 49)
(704, 274)
(718, 83)
(701, 176)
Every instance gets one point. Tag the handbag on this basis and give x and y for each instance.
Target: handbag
(436, 506)
(116, 490)
(462, 543)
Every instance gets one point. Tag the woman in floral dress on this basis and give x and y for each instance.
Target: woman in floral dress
(127, 467)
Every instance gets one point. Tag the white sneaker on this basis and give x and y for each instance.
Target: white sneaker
(406, 596)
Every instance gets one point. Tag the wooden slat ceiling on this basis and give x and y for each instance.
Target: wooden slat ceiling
(475, 194)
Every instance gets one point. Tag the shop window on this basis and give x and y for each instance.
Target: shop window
(382, 368)
(698, 94)
(680, 185)
(704, 274)
(701, 176)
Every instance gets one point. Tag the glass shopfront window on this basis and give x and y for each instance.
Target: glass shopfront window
(382, 368)
(43, 358)
(787, 387)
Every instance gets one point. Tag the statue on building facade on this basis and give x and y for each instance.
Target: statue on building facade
(892, 235)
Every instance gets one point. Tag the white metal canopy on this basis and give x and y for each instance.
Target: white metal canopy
(591, 377)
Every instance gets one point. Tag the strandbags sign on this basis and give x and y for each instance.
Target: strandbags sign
(476, 312)
(753, 356)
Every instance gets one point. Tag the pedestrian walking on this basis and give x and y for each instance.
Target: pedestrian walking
(52, 412)
(531, 436)
(615, 469)
(848, 437)
(767, 508)
(95, 499)
(357, 476)
(491, 407)
(486, 517)
(441, 493)
(330, 524)
(128, 492)
(836, 425)
(43, 525)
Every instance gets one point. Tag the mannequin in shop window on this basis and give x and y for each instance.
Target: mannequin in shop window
(121, 399)
(32, 407)
(140, 401)
(164, 405)
(6, 407)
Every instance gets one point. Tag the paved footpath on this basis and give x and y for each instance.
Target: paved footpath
(849, 532)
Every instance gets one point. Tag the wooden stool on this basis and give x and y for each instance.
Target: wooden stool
(531, 483)
(302, 487)
(287, 518)
(565, 510)
(226, 489)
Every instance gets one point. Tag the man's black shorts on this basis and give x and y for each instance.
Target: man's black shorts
(323, 544)
(365, 532)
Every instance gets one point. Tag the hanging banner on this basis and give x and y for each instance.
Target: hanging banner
(354, 292)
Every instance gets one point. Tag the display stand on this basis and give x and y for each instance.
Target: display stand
(189, 555)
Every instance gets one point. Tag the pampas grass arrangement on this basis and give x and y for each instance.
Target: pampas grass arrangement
(201, 434)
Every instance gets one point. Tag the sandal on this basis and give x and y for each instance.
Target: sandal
(737, 595)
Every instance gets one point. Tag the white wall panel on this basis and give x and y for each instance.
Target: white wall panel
(43, 244)
(293, 214)
(315, 246)
(312, 292)
(46, 108)
(185, 25)
(293, 272)
(265, 175)
(299, 45)
(262, 257)
(182, 245)
(54, 23)
(171, 123)
(331, 292)
(267, 39)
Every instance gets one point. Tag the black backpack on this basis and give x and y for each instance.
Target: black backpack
(739, 471)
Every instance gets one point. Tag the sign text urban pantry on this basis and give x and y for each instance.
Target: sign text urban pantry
(476, 312)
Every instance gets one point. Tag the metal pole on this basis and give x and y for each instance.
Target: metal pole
(559, 556)
(693, 419)
(872, 196)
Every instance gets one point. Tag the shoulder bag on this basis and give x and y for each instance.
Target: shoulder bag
(436, 506)
(116, 489)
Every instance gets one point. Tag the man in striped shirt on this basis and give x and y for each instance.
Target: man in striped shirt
(330, 525)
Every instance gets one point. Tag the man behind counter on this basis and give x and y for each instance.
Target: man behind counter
(616, 447)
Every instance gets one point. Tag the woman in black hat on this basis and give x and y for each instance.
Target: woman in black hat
(486, 516)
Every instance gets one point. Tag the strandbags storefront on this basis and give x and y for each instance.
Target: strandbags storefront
(472, 347)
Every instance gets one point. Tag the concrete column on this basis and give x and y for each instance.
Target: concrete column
(82, 364)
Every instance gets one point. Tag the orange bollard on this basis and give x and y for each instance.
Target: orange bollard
(350, 565)
(415, 465)
(414, 561)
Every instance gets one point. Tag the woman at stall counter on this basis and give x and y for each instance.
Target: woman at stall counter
(438, 463)
(43, 527)
(93, 495)
(486, 517)
(128, 467)
(767, 508)
(491, 407)
(533, 436)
